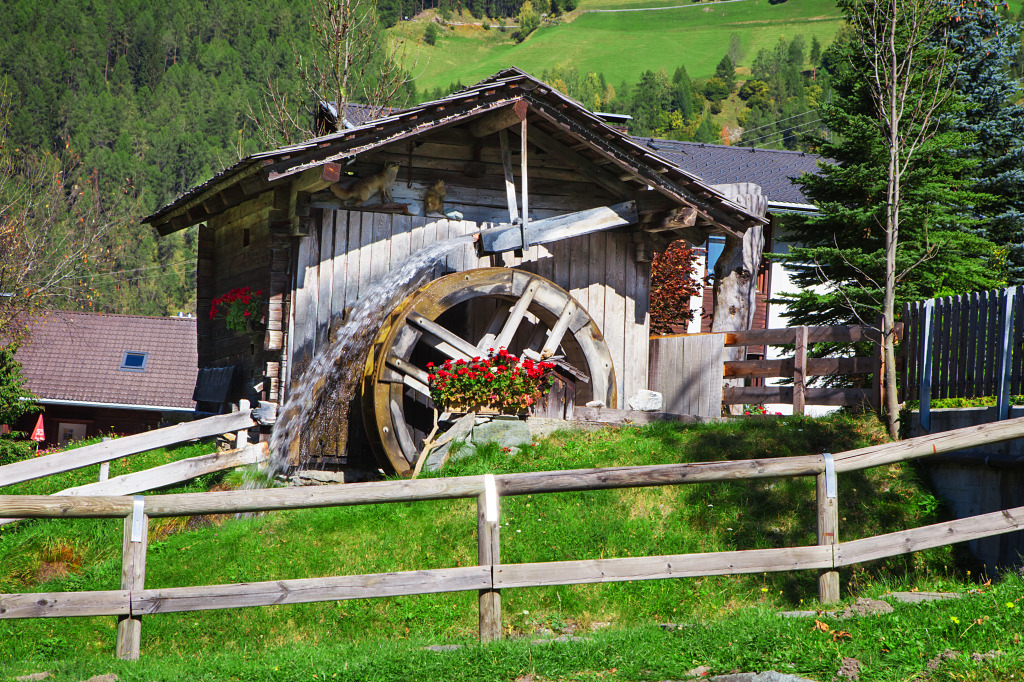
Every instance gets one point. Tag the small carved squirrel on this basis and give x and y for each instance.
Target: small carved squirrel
(433, 200)
(363, 188)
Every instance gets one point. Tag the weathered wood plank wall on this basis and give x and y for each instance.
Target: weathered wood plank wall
(688, 372)
(346, 252)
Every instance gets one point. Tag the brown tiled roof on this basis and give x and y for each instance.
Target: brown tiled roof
(77, 357)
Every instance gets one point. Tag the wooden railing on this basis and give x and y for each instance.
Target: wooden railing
(133, 600)
(235, 423)
(800, 368)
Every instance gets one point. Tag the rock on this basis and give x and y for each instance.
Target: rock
(866, 607)
(453, 215)
(987, 656)
(801, 614)
(443, 647)
(507, 433)
(34, 677)
(850, 669)
(947, 655)
(918, 597)
(595, 403)
(458, 433)
(699, 671)
(109, 677)
(769, 676)
(315, 477)
(646, 401)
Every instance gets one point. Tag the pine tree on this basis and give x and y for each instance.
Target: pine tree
(682, 93)
(726, 70)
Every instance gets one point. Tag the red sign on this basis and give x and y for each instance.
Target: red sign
(38, 434)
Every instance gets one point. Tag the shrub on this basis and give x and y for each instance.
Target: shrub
(430, 34)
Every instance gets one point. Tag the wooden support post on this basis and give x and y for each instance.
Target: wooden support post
(800, 371)
(522, 179)
(133, 577)
(828, 528)
(489, 553)
(242, 437)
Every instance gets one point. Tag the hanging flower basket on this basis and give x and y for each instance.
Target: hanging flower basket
(496, 384)
(241, 309)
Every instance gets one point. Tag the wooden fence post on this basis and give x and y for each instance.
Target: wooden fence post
(242, 436)
(1005, 353)
(104, 466)
(133, 577)
(828, 528)
(924, 394)
(489, 553)
(800, 371)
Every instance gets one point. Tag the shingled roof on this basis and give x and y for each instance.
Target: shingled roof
(79, 358)
(772, 169)
(641, 166)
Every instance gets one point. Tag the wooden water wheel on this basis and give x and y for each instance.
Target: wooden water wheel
(461, 316)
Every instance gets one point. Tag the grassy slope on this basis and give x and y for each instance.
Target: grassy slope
(322, 542)
(623, 45)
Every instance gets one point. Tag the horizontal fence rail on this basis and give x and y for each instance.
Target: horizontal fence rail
(800, 367)
(109, 450)
(133, 600)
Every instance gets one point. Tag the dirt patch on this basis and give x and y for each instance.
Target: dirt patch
(866, 607)
(53, 570)
(850, 669)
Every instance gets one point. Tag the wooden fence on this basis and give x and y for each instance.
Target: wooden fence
(133, 600)
(684, 369)
(965, 346)
(236, 423)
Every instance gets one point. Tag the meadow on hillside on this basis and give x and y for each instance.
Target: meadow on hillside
(622, 45)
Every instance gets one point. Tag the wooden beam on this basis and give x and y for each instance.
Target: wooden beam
(523, 181)
(681, 218)
(507, 116)
(510, 183)
(316, 179)
(65, 604)
(508, 237)
(659, 567)
(306, 590)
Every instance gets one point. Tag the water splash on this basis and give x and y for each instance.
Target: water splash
(317, 408)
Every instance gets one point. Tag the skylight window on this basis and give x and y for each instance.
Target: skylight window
(134, 361)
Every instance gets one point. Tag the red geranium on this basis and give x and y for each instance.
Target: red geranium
(238, 307)
(499, 379)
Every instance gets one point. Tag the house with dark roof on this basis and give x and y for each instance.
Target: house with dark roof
(568, 211)
(108, 374)
(773, 170)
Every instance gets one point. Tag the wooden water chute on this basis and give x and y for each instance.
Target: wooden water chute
(461, 316)
(554, 191)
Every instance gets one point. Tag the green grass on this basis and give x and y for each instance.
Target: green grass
(407, 536)
(623, 45)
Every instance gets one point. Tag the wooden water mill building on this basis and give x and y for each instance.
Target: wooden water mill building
(571, 212)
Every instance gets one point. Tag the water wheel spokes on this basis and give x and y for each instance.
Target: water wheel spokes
(465, 315)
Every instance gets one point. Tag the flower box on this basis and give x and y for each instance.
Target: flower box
(498, 383)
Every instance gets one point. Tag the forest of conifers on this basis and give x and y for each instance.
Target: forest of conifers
(154, 98)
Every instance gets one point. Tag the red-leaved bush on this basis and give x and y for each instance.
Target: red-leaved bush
(672, 285)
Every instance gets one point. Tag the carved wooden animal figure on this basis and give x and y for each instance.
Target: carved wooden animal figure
(363, 188)
(433, 200)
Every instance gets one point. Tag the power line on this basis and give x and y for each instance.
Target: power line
(780, 132)
(781, 120)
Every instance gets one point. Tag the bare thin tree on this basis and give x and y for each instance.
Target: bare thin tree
(905, 66)
(352, 59)
(54, 229)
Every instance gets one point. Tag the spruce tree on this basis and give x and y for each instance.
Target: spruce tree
(986, 44)
(836, 257)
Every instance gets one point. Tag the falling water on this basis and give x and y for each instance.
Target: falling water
(324, 394)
